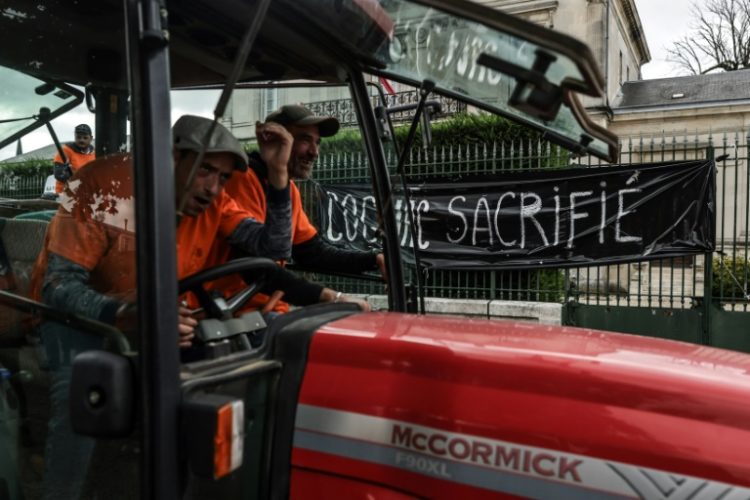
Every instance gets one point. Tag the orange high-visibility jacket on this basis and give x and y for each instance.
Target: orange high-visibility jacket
(76, 159)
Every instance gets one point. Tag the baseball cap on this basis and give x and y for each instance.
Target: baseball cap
(294, 114)
(83, 129)
(189, 131)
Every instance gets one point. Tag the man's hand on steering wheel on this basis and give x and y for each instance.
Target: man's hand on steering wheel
(126, 320)
(186, 326)
(224, 308)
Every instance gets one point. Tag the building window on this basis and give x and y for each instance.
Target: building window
(269, 102)
(620, 67)
(627, 73)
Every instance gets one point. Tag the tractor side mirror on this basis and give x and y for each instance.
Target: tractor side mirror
(102, 392)
(534, 93)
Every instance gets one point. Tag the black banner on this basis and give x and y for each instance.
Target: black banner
(565, 217)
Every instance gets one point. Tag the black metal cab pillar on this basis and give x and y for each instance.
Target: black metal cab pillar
(111, 110)
(149, 77)
(381, 183)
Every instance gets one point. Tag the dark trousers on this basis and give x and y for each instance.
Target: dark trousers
(67, 454)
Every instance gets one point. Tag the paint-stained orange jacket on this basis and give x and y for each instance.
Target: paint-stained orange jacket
(95, 228)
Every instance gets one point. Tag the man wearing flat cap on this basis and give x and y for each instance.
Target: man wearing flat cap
(88, 265)
(77, 154)
(251, 192)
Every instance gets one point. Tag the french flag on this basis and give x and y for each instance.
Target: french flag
(387, 86)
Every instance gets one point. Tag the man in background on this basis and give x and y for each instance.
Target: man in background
(77, 154)
(309, 249)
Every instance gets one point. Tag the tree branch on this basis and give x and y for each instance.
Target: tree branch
(719, 38)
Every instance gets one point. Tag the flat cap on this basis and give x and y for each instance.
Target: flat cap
(83, 129)
(189, 131)
(294, 114)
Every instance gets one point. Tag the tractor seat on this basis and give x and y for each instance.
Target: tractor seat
(22, 241)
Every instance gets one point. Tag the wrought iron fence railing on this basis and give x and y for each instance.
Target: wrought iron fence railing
(19, 187)
(672, 283)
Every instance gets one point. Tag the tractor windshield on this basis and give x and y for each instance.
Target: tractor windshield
(27, 103)
(497, 64)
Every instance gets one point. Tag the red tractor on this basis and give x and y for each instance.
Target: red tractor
(337, 403)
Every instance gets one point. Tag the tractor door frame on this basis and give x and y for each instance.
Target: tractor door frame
(159, 398)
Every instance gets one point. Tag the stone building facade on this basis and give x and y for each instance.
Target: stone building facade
(610, 28)
(633, 107)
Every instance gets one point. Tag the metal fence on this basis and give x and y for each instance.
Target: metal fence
(19, 187)
(680, 283)
(670, 283)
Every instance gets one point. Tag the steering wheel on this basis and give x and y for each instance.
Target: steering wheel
(219, 307)
(220, 330)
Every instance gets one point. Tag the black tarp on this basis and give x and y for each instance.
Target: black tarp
(540, 218)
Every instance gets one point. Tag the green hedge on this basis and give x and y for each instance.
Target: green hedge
(550, 285)
(28, 168)
(468, 133)
(459, 130)
(725, 271)
(462, 144)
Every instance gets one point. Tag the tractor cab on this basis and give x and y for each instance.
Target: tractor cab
(333, 402)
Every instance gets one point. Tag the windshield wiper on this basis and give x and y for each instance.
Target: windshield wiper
(424, 92)
(44, 115)
(239, 63)
(25, 118)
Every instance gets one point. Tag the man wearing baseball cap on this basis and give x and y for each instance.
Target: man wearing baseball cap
(251, 192)
(88, 264)
(77, 154)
